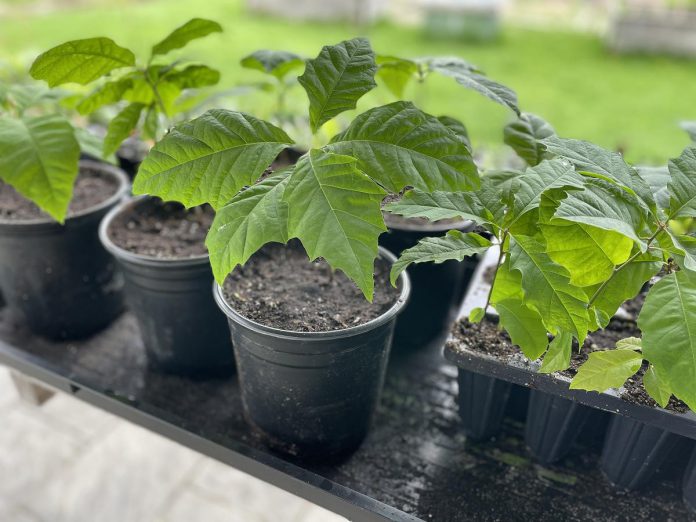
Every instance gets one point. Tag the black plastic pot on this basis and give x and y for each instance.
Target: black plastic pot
(183, 331)
(482, 402)
(553, 424)
(58, 278)
(312, 394)
(689, 483)
(633, 451)
(437, 289)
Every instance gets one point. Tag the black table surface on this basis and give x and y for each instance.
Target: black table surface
(416, 464)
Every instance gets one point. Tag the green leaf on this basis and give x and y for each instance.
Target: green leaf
(557, 357)
(193, 77)
(337, 78)
(210, 158)
(276, 63)
(604, 205)
(658, 389)
(80, 61)
(590, 158)
(39, 158)
(398, 145)
(682, 188)
(527, 188)
(182, 35)
(458, 128)
(690, 128)
(121, 127)
(668, 323)
(624, 285)
(507, 283)
(686, 246)
(396, 73)
(524, 325)
(657, 178)
(629, 343)
(92, 144)
(606, 369)
(547, 288)
(151, 123)
(334, 209)
(466, 76)
(254, 217)
(435, 206)
(588, 253)
(106, 94)
(523, 135)
(476, 315)
(455, 245)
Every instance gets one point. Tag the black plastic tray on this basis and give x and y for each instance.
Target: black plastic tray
(416, 464)
(520, 370)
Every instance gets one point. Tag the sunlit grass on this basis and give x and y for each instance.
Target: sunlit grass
(633, 104)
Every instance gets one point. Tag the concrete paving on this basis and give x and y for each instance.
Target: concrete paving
(66, 461)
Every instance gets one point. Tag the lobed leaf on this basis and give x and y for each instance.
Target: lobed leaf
(507, 283)
(398, 146)
(557, 357)
(335, 80)
(524, 325)
(682, 187)
(684, 245)
(606, 369)
(275, 63)
(254, 217)
(526, 189)
(210, 158)
(668, 324)
(458, 128)
(523, 136)
(604, 205)
(456, 245)
(588, 253)
(39, 158)
(182, 35)
(591, 158)
(80, 61)
(658, 389)
(438, 205)
(334, 209)
(547, 288)
(624, 285)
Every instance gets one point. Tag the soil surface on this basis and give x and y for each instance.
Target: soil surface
(281, 288)
(162, 230)
(91, 188)
(485, 337)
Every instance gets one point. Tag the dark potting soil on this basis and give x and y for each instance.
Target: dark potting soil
(162, 230)
(91, 188)
(485, 337)
(281, 288)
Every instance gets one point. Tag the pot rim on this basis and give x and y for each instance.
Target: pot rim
(121, 191)
(257, 327)
(132, 257)
(405, 224)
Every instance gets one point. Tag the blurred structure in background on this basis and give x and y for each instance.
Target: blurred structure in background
(654, 26)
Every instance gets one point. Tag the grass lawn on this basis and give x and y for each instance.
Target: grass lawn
(630, 103)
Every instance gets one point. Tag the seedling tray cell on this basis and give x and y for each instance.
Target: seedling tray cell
(416, 463)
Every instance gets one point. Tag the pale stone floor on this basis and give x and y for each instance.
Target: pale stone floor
(66, 461)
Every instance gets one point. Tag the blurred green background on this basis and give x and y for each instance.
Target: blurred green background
(628, 103)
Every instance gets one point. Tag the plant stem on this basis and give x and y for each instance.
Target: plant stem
(495, 272)
(618, 269)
